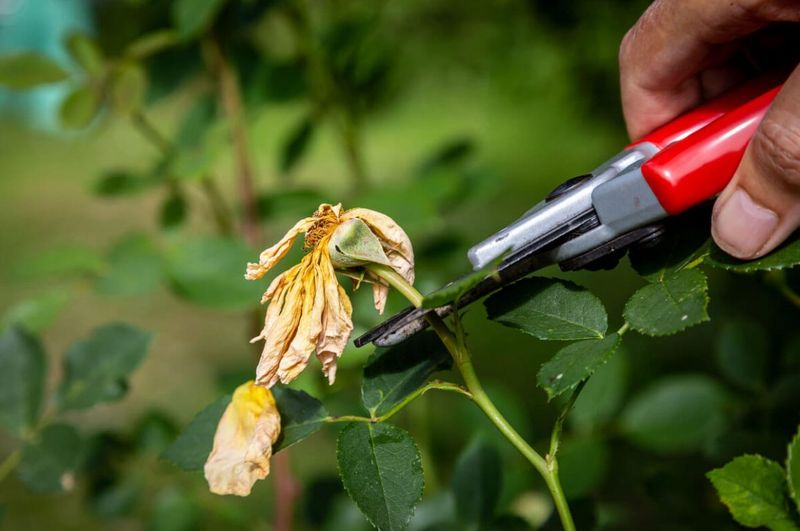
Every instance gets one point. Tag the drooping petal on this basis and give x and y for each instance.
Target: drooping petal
(269, 257)
(243, 442)
(337, 323)
(309, 328)
(280, 325)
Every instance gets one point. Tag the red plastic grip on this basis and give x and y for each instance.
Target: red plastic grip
(697, 166)
(696, 119)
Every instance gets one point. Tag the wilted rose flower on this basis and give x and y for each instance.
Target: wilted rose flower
(309, 311)
(243, 441)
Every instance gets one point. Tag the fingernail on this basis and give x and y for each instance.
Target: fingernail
(742, 226)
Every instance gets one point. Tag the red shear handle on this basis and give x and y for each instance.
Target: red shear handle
(697, 167)
(696, 119)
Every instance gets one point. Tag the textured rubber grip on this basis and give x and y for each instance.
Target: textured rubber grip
(698, 166)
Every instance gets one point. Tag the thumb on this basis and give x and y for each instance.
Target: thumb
(760, 207)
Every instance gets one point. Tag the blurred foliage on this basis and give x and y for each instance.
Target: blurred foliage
(451, 118)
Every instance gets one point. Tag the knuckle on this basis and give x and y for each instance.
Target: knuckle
(776, 147)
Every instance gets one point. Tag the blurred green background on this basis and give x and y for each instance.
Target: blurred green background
(451, 117)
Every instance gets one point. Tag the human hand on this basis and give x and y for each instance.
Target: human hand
(682, 52)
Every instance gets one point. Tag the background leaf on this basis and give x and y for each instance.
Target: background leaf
(86, 53)
(127, 88)
(79, 107)
(135, 266)
(297, 144)
(191, 17)
(302, 415)
(210, 271)
(173, 211)
(393, 373)
(754, 490)
(602, 395)
(742, 353)
(37, 313)
(26, 70)
(582, 466)
(574, 363)
(549, 309)
(48, 464)
(116, 183)
(190, 450)
(674, 304)
(22, 373)
(96, 369)
(793, 468)
(677, 414)
(477, 483)
(381, 469)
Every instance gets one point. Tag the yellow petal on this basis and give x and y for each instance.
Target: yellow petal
(243, 442)
(269, 257)
(309, 328)
(337, 323)
(280, 324)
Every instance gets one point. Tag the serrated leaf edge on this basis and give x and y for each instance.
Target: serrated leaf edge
(611, 352)
(417, 460)
(704, 319)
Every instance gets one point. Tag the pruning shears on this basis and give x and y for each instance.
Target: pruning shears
(595, 218)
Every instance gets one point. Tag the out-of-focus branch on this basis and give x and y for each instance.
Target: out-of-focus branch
(231, 101)
(220, 210)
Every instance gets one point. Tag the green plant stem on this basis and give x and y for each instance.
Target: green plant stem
(548, 468)
(221, 212)
(435, 384)
(231, 101)
(9, 464)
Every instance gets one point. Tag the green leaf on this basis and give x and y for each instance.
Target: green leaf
(353, 244)
(192, 17)
(302, 415)
(669, 306)
(48, 464)
(296, 144)
(79, 108)
(61, 262)
(134, 267)
(118, 183)
(549, 309)
(754, 490)
(477, 482)
(190, 450)
(582, 466)
(686, 240)
(785, 256)
(393, 373)
(151, 44)
(22, 374)
(742, 354)
(96, 369)
(175, 509)
(26, 70)
(173, 211)
(127, 87)
(457, 288)
(86, 53)
(602, 395)
(37, 313)
(574, 363)
(381, 470)
(677, 414)
(793, 468)
(210, 271)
